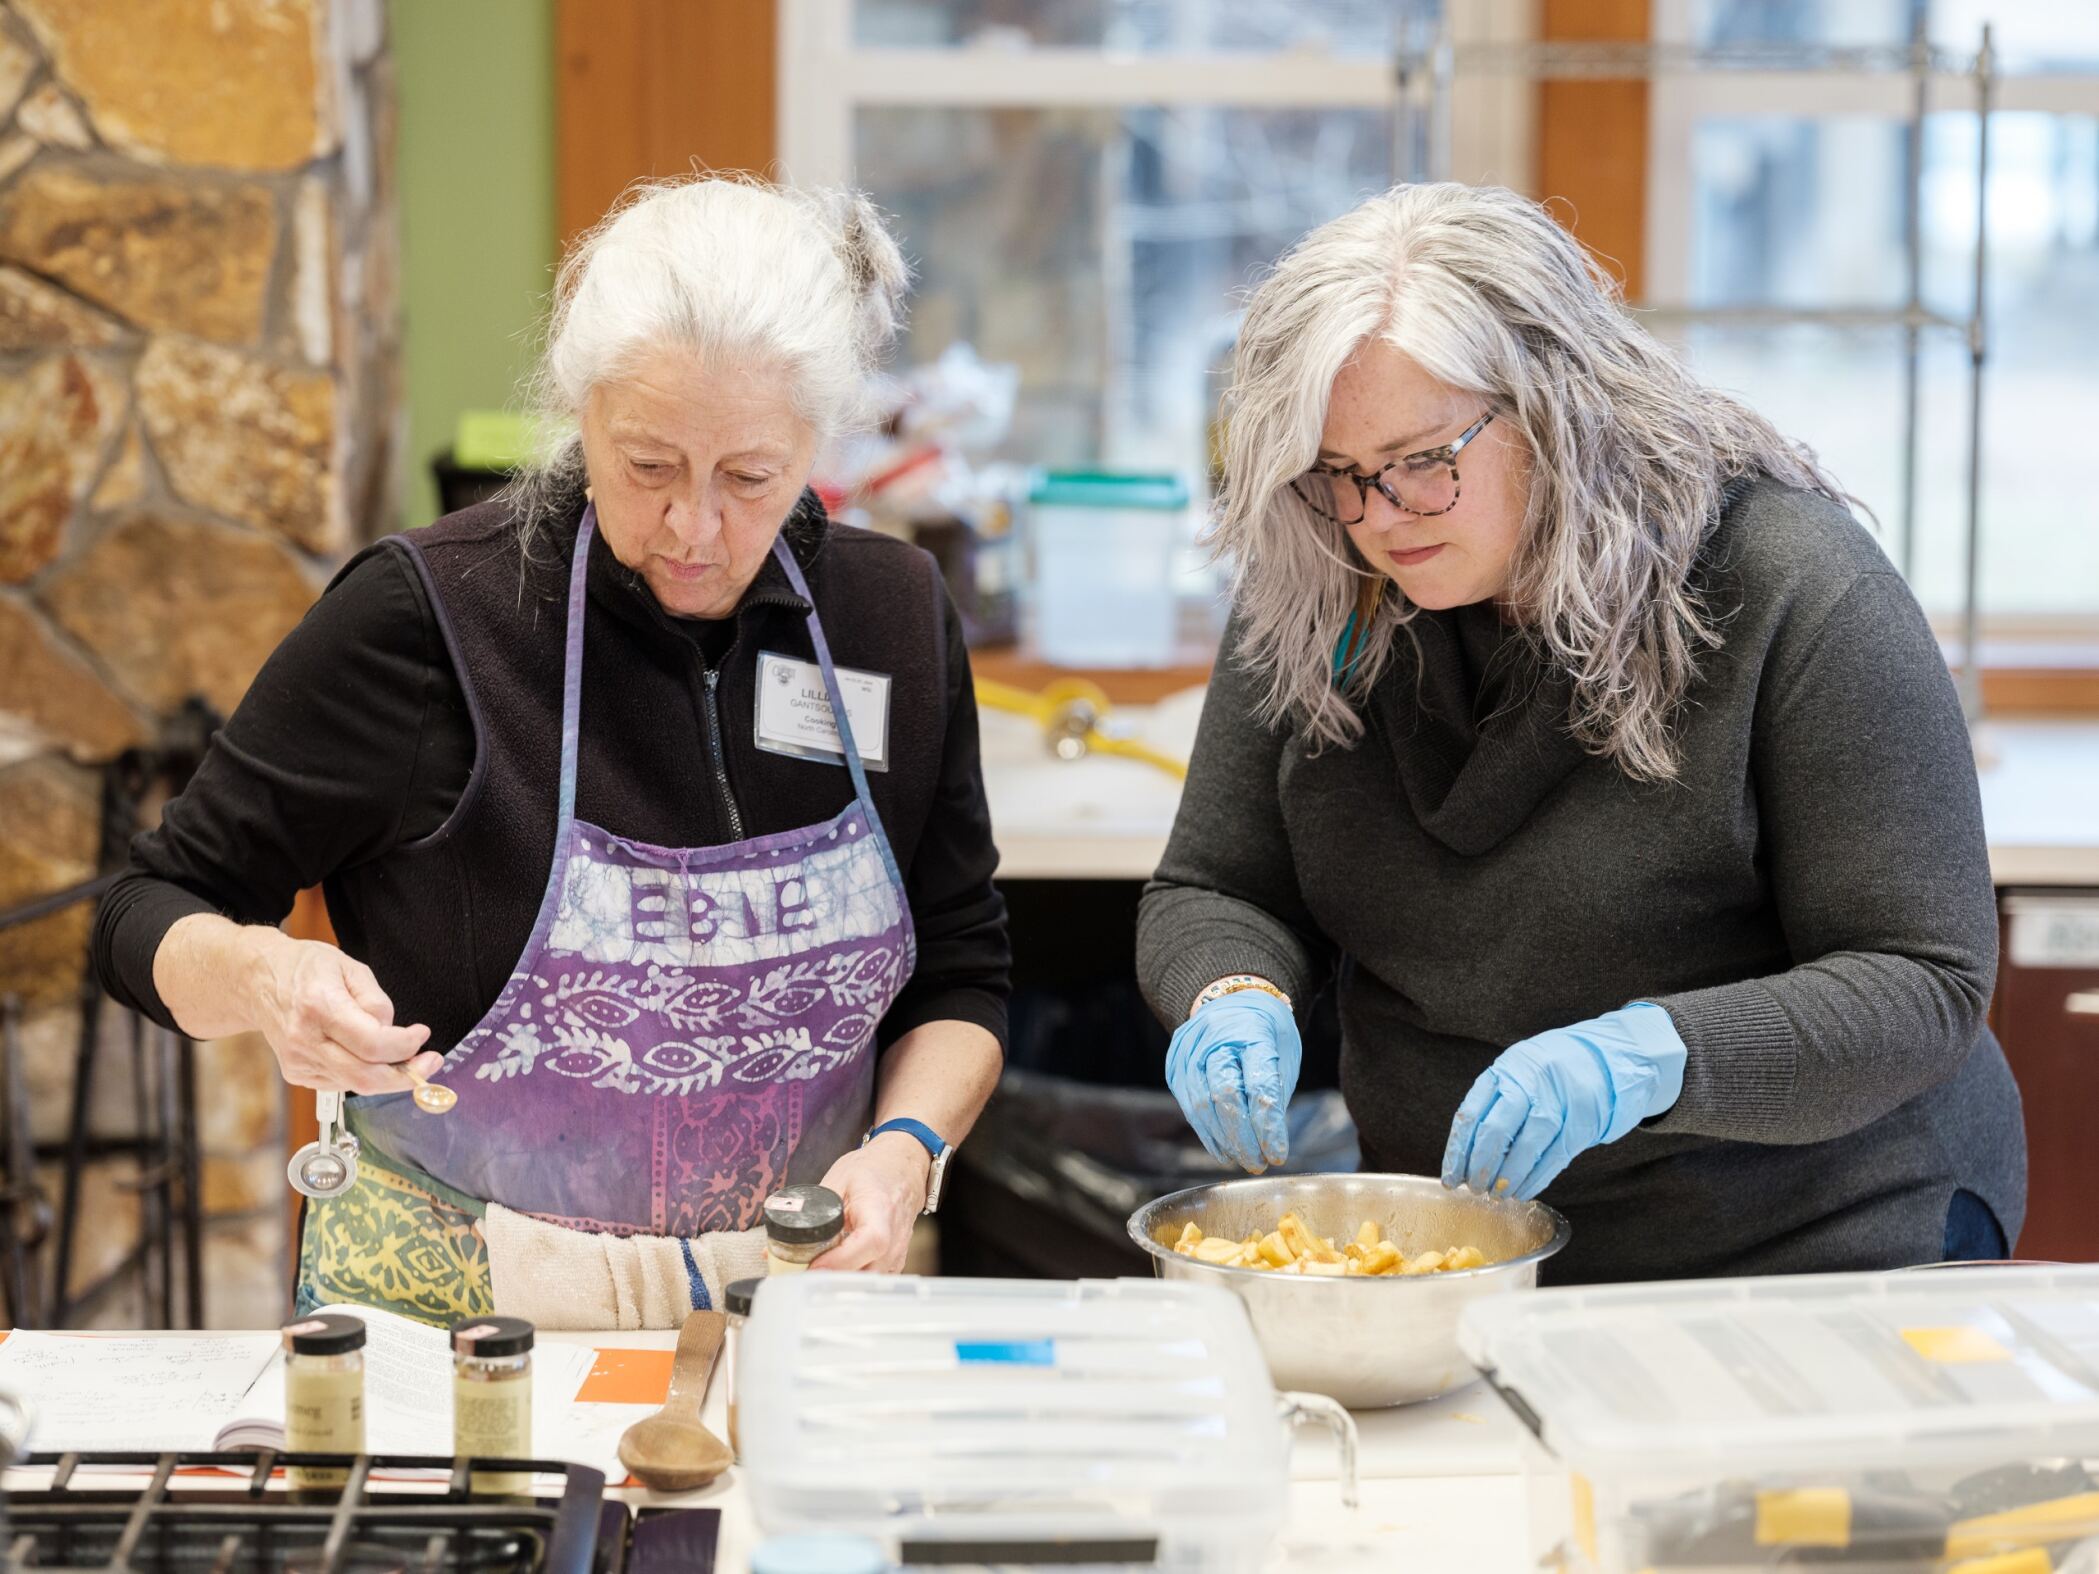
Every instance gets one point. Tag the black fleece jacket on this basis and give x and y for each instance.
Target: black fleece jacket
(347, 763)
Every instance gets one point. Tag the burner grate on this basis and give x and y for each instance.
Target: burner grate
(83, 1522)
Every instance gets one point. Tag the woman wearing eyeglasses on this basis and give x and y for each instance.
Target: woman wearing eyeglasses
(1570, 723)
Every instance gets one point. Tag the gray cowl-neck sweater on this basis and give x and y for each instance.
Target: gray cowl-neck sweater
(1810, 901)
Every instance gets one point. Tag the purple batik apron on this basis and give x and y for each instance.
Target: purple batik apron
(689, 1028)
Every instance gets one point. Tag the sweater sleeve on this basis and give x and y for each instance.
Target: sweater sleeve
(1225, 898)
(315, 770)
(965, 957)
(1873, 838)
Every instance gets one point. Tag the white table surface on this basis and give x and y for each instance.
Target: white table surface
(1106, 818)
(1099, 818)
(1439, 1484)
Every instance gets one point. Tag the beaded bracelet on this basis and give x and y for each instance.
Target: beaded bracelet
(1231, 984)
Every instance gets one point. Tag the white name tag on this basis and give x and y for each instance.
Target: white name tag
(794, 712)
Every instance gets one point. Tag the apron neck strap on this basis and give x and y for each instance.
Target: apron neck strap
(572, 671)
(831, 688)
(572, 684)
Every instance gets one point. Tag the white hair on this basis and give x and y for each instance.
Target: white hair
(742, 273)
(1627, 454)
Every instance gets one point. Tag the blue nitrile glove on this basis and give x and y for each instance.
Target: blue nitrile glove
(1233, 1066)
(1553, 1096)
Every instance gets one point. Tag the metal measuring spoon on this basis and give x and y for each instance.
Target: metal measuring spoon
(326, 1167)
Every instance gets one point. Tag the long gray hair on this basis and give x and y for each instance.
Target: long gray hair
(739, 271)
(1627, 454)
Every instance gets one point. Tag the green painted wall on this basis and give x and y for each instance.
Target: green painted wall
(475, 80)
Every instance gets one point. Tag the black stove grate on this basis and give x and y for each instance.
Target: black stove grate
(85, 1521)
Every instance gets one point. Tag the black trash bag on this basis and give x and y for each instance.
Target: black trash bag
(1053, 1169)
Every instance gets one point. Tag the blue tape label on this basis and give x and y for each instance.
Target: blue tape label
(1010, 1352)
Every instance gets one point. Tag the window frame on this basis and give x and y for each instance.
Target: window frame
(825, 75)
(2062, 645)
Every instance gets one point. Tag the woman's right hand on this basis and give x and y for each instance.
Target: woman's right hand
(1233, 1066)
(330, 1023)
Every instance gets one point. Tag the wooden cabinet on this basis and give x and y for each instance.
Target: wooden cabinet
(2047, 1017)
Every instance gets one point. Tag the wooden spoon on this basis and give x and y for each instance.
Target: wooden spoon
(671, 1451)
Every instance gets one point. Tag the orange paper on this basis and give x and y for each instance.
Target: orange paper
(628, 1377)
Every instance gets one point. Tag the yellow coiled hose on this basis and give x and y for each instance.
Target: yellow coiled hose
(1069, 712)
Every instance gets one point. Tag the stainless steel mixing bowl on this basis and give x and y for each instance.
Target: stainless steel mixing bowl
(1368, 1342)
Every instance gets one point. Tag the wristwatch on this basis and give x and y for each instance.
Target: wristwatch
(932, 1143)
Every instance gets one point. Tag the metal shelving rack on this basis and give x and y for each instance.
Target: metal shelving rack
(1428, 66)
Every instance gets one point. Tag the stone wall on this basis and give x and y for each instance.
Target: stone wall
(198, 413)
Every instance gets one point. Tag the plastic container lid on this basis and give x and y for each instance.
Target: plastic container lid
(489, 1338)
(736, 1298)
(332, 1334)
(1107, 489)
(804, 1215)
(819, 1555)
(1013, 1414)
(1741, 1376)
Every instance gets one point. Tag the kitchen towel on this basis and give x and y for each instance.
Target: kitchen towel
(565, 1278)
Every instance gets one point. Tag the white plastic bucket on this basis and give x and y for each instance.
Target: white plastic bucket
(1105, 549)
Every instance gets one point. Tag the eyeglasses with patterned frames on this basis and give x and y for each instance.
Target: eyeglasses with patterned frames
(1424, 484)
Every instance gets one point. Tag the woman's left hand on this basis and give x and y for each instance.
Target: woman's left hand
(884, 1187)
(1555, 1095)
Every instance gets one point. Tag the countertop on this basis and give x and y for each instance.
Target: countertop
(1104, 818)
(1439, 1484)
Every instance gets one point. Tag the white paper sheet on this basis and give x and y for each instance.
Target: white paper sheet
(91, 1391)
(198, 1392)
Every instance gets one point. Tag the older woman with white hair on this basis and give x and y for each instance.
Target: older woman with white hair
(1570, 723)
(647, 806)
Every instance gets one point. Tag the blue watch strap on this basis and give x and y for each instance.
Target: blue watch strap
(926, 1135)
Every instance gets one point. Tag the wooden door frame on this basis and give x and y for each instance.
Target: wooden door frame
(655, 88)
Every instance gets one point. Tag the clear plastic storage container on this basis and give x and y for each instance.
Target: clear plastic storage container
(1105, 549)
(1915, 1422)
(1115, 1421)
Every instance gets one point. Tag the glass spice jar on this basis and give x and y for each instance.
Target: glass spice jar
(801, 1224)
(736, 1307)
(492, 1398)
(323, 1395)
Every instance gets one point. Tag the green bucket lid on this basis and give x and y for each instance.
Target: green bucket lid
(1107, 489)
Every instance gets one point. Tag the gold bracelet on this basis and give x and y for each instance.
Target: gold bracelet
(1231, 984)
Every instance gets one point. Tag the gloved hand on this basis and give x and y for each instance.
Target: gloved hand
(1555, 1095)
(1233, 1066)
